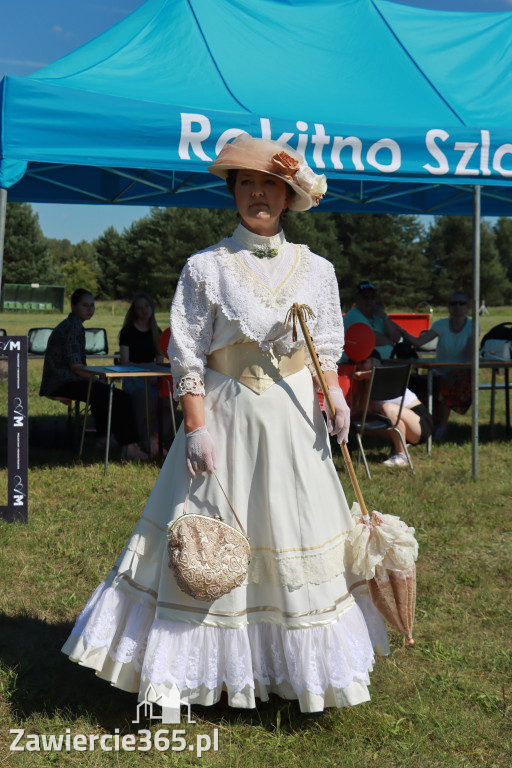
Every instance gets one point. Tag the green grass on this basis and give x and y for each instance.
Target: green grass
(445, 704)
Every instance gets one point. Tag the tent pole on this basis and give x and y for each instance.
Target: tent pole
(3, 216)
(475, 378)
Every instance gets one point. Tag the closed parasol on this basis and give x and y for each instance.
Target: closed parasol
(384, 552)
(383, 548)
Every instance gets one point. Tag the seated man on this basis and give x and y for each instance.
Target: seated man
(64, 376)
(366, 310)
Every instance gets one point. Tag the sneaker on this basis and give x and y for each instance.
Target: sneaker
(397, 460)
(439, 434)
(134, 452)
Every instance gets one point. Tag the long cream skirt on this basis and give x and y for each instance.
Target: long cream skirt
(300, 627)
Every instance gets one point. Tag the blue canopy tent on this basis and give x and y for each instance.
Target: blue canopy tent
(405, 110)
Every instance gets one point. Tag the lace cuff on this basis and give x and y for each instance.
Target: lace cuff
(191, 384)
(327, 363)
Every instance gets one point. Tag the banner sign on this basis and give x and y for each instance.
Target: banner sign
(433, 152)
(87, 129)
(14, 348)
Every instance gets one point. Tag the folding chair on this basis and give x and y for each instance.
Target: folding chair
(96, 342)
(76, 421)
(37, 340)
(386, 383)
(73, 416)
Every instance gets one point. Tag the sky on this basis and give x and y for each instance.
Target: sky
(34, 33)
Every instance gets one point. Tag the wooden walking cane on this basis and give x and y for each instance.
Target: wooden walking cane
(394, 598)
(297, 312)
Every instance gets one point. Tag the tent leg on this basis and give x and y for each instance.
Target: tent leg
(476, 328)
(3, 216)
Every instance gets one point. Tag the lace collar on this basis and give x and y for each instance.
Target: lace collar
(244, 240)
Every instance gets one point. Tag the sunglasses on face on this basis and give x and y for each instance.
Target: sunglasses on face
(458, 303)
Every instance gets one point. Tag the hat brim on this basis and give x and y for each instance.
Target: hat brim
(302, 200)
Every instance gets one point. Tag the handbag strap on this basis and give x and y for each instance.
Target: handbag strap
(225, 496)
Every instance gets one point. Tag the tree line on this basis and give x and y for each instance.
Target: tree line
(411, 263)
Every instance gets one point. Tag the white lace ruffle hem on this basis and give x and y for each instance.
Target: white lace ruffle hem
(320, 666)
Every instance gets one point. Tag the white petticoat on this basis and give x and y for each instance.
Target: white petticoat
(301, 626)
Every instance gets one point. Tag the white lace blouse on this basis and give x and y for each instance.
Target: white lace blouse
(227, 295)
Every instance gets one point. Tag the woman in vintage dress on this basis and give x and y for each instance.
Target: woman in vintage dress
(250, 411)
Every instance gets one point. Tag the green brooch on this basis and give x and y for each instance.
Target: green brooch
(265, 253)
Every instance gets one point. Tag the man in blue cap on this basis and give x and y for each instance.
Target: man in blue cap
(366, 310)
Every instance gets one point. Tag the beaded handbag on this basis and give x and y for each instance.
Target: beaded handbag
(208, 557)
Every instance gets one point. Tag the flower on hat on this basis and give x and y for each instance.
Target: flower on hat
(315, 184)
(286, 161)
(302, 175)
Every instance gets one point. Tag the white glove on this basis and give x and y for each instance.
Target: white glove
(341, 424)
(200, 451)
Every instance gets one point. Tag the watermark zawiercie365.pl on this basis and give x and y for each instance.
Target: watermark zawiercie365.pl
(143, 740)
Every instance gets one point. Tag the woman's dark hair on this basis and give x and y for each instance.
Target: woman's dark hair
(77, 295)
(131, 317)
(231, 181)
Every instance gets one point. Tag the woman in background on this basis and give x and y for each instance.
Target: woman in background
(139, 342)
(452, 386)
(454, 346)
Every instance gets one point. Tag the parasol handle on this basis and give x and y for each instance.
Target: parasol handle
(298, 311)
